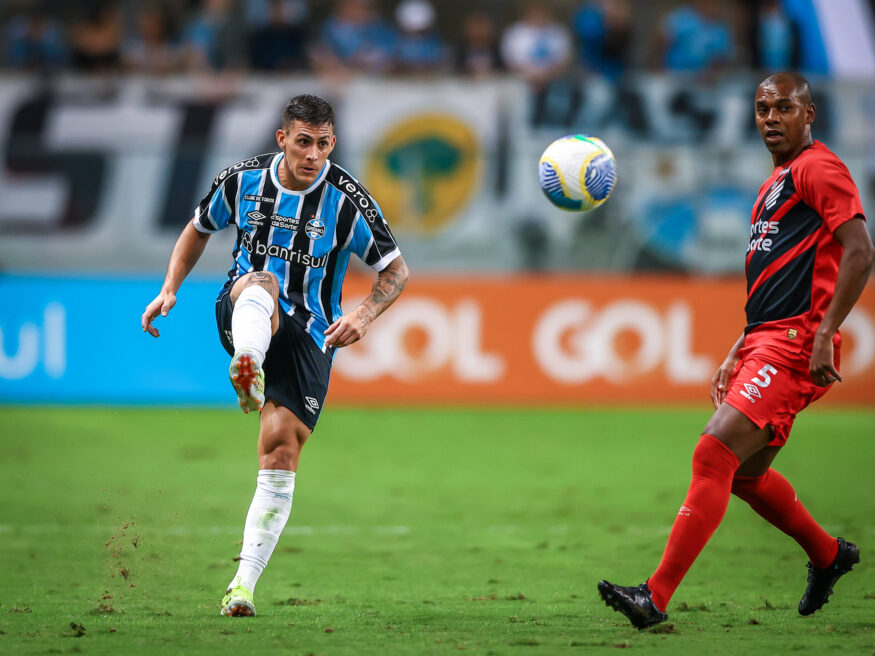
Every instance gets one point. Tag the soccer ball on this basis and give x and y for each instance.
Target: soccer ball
(577, 172)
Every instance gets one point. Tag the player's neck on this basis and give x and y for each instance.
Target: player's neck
(287, 180)
(781, 159)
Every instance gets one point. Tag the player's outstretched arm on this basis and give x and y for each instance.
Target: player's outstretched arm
(854, 269)
(189, 247)
(720, 379)
(351, 327)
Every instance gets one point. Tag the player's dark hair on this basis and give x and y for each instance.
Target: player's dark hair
(308, 109)
(803, 88)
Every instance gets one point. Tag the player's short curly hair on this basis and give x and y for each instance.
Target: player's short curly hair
(308, 109)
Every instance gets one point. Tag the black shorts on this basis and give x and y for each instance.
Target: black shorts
(296, 372)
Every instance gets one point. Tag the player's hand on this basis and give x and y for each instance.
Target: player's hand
(720, 381)
(347, 330)
(822, 364)
(162, 304)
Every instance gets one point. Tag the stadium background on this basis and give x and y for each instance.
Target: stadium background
(485, 457)
(113, 125)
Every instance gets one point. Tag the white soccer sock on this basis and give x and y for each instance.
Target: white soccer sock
(250, 322)
(265, 520)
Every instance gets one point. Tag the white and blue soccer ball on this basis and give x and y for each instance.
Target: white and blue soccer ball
(578, 172)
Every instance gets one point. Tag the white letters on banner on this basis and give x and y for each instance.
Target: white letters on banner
(22, 363)
(453, 336)
(572, 343)
(591, 350)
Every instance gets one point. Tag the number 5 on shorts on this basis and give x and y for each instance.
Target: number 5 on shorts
(763, 379)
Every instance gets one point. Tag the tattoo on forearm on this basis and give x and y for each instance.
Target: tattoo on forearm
(387, 287)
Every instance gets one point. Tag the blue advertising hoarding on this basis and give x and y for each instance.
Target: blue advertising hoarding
(79, 340)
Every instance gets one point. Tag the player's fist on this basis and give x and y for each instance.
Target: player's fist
(347, 330)
(162, 304)
(822, 364)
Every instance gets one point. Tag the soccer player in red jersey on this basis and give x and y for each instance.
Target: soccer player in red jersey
(808, 260)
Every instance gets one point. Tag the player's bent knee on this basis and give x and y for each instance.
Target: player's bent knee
(264, 279)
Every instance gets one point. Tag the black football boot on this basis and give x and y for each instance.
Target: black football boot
(820, 581)
(634, 602)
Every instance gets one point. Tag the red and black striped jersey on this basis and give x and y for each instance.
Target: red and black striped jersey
(793, 256)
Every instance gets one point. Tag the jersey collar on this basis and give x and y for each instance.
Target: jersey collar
(274, 167)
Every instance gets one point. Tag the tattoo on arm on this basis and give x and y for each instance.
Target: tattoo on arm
(387, 287)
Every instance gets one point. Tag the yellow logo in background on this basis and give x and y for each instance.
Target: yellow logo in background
(424, 170)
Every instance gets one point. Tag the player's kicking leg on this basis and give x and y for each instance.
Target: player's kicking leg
(254, 321)
(280, 439)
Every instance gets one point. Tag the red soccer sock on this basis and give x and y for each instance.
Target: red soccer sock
(774, 499)
(714, 465)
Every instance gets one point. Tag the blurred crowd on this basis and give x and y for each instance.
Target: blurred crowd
(538, 40)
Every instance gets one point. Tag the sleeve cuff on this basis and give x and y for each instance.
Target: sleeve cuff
(200, 227)
(386, 260)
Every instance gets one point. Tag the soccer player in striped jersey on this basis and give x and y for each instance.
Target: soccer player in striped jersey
(298, 218)
(808, 260)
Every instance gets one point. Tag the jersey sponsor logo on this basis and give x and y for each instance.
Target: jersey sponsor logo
(751, 391)
(311, 404)
(315, 228)
(758, 231)
(249, 163)
(256, 218)
(359, 197)
(258, 199)
(287, 222)
(761, 227)
(294, 256)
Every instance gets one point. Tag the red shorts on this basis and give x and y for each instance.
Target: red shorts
(771, 390)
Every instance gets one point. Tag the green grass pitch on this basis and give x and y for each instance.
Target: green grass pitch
(413, 532)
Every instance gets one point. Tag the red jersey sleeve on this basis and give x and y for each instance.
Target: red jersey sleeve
(827, 187)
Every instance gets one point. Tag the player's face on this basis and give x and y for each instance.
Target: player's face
(306, 147)
(783, 119)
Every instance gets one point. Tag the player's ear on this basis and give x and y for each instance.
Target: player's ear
(281, 138)
(810, 111)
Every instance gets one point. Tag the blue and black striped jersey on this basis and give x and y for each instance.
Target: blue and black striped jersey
(304, 237)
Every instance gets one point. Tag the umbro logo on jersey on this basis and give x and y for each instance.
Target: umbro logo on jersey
(312, 404)
(685, 511)
(256, 217)
(751, 392)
